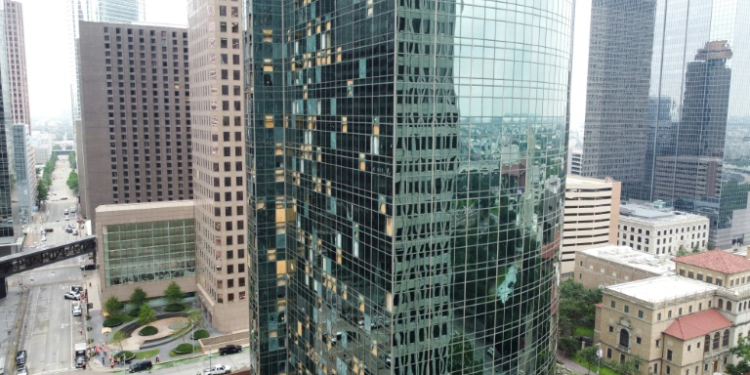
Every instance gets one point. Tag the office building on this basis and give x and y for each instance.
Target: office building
(9, 225)
(666, 107)
(42, 144)
(592, 210)
(216, 70)
(656, 229)
(391, 197)
(24, 171)
(612, 264)
(147, 246)
(679, 324)
(575, 162)
(16, 44)
(136, 138)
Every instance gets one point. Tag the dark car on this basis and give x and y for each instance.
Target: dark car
(230, 349)
(21, 357)
(49, 230)
(80, 361)
(87, 267)
(140, 366)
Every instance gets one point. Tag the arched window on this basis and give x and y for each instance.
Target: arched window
(729, 305)
(624, 338)
(721, 303)
(717, 337)
(725, 338)
(707, 343)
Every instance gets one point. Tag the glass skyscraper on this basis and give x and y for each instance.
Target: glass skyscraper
(667, 106)
(405, 174)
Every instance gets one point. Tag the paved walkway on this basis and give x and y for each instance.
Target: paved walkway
(135, 341)
(570, 365)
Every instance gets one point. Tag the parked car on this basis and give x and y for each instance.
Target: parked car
(73, 296)
(86, 267)
(77, 311)
(49, 230)
(217, 370)
(21, 357)
(140, 366)
(230, 349)
(76, 288)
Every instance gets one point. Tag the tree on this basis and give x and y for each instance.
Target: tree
(42, 191)
(682, 251)
(568, 345)
(72, 160)
(73, 181)
(629, 367)
(196, 319)
(588, 356)
(113, 306)
(710, 245)
(577, 306)
(138, 297)
(173, 293)
(118, 338)
(146, 315)
(57, 147)
(742, 350)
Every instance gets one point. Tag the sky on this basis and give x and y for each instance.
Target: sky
(48, 48)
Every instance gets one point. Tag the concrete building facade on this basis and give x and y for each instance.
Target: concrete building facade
(590, 217)
(42, 143)
(136, 127)
(147, 246)
(216, 95)
(611, 265)
(16, 44)
(659, 230)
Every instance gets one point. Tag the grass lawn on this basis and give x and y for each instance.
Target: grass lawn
(147, 353)
(196, 350)
(604, 370)
(584, 331)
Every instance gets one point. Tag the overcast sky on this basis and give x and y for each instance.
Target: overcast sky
(48, 52)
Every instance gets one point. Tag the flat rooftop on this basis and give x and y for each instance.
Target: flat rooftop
(145, 206)
(662, 288)
(652, 214)
(626, 256)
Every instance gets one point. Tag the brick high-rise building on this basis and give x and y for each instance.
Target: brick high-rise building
(16, 45)
(136, 138)
(219, 147)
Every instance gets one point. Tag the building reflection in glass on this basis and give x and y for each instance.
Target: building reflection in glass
(406, 164)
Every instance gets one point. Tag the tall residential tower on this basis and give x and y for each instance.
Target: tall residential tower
(219, 148)
(667, 107)
(16, 44)
(406, 163)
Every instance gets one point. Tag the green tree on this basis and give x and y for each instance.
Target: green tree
(72, 160)
(57, 147)
(113, 306)
(577, 306)
(588, 356)
(173, 293)
(462, 356)
(710, 245)
(629, 367)
(681, 251)
(568, 345)
(742, 350)
(146, 315)
(196, 319)
(118, 339)
(42, 191)
(138, 297)
(73, 181)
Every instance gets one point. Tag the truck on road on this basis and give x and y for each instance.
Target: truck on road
(80, 354)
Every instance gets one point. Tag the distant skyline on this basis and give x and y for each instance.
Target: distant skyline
(47, 53)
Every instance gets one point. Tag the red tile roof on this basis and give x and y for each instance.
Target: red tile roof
(697, 325)
(716, 260)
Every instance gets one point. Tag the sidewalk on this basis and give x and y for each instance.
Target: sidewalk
(569, 364)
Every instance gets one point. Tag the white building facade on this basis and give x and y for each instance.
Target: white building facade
(658, 230)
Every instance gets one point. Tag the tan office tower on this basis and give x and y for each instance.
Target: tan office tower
(214, 33)
(16, 44)
(592, 211)
(135, 115)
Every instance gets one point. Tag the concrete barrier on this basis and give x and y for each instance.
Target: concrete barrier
(214, 343)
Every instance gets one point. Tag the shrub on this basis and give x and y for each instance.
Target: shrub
(183, 349)
(112, 306)
(134, 312)
(174, 307)
(112, 322)
(138, 297)
(146, 315)
(148, 331)
(126, 355)
(88, 317)
(90, 341)
(200, 334)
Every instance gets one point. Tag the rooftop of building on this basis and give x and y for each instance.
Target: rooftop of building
(650, 213)
(144, 206)
(579, 180)
(697, 325)
(662, 288)
(626, 256)
(716, 260)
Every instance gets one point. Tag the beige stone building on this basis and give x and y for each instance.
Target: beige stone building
(612, 264)
(147, 246)
(682, 324)
(16, 46)
(216, 68)
(590, 216)
(654, 229)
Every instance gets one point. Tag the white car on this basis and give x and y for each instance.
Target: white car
(217, 370)
(73, 296)
(77, 311)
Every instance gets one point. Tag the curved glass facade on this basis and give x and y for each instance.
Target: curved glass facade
(667, 112)
(406, 171)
